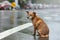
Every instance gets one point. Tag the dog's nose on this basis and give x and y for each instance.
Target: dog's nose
(27, 17)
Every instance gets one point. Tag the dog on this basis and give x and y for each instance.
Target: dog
(39, 25)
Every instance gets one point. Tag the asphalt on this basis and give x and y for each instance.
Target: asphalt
(52, 19)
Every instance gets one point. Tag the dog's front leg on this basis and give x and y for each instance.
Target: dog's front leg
(34, 31)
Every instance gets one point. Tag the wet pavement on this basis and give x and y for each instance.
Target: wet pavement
(52, 19)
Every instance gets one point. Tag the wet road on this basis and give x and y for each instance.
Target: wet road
(50, 16)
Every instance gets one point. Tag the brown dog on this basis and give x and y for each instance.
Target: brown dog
(38, 24)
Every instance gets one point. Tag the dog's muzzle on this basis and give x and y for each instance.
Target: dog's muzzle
(29, 17)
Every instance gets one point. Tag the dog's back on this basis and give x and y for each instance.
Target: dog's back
(41, 26)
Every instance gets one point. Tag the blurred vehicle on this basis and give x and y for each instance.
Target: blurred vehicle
(5, 5)
(1, 7)
(27, 7)
(40, 6)
(33, 6)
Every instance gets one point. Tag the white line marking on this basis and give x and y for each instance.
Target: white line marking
(14, 30)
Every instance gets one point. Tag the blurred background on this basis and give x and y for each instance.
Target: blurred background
(29, 4)
(13, 14)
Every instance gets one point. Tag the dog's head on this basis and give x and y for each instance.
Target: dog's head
(31, 15)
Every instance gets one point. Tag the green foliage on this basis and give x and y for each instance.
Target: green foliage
(11, 1)
(34, 1)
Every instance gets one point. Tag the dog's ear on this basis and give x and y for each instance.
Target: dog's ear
(34, 13)
(27, 11)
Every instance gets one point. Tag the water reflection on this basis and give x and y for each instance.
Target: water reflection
(44, 38)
